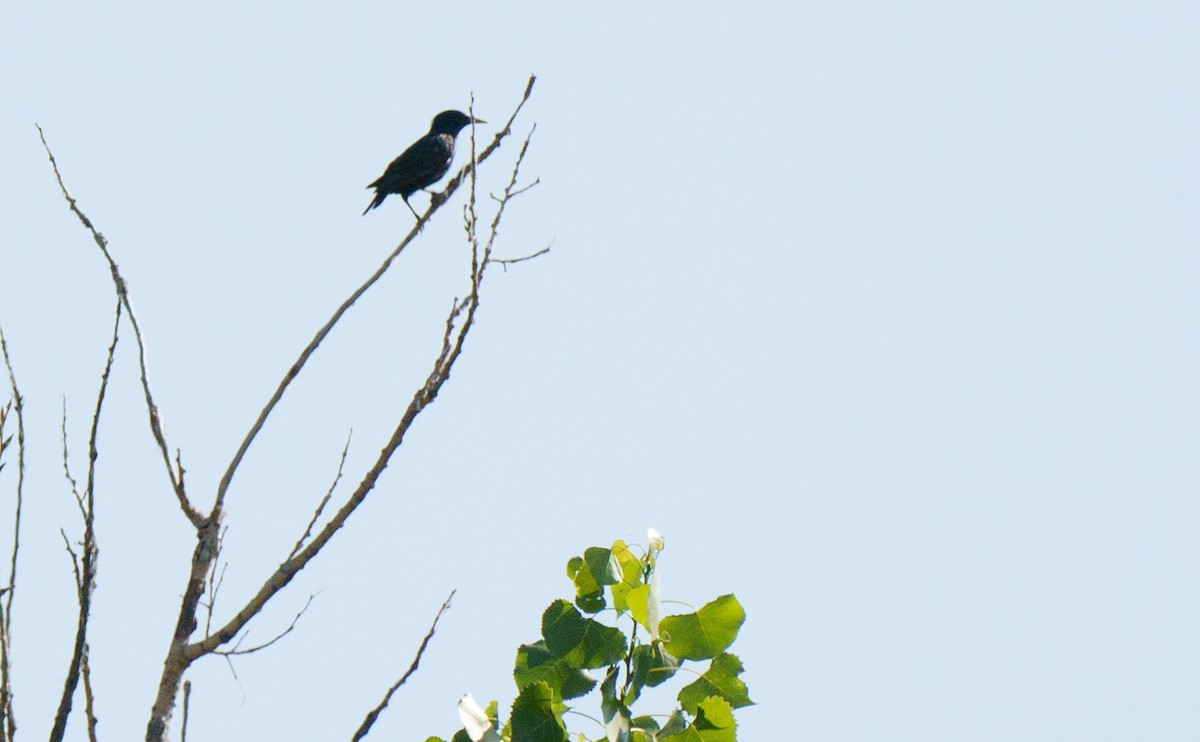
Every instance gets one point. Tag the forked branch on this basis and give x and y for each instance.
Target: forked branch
(322, 333)
(181, 652)
(156, 428)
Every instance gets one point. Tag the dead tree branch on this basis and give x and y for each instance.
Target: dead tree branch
(237, 650)
(156, 428)
(181, 653)
(373, 715)
(509, 261)
(85, 565)
(324, 500)
(311, 348)
(8, 722)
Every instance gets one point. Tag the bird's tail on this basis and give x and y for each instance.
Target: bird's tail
(374, 202)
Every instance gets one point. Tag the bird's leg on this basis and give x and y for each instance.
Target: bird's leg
(410, 208)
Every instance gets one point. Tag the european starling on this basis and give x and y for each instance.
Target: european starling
(424, 163)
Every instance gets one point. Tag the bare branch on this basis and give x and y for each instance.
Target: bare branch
(452, 347)
(373, 716)
(181, 653)
(85, 566)
(296, 619)
(507, 262)
(66, 460)
(456, 181)
(324, 500)
(214, 582)
(8, 722)
(89, 699)
(435, 203)
(187, 698)
(522, 189)
(122, 289)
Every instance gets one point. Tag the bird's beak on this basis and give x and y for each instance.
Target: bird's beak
(478, 121)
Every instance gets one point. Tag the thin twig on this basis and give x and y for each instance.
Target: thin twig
(89, 699)
(66, 461)
(522, 189)
(324, 500)
(237, 650)
(371, 718)
(187, 698)
(214, 582)
(509, 261)
(85, 567)
(8, 722)
(122, 289)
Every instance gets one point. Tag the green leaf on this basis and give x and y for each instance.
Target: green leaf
(707, 632)
(676, 723)
(589, 595)
(652, 666)
(462, 736)
(582, 642)
(713, 723)
(600, 564)
(537, 717)
(721, 679)
(637, 600)
(536, 664)
(630, 568)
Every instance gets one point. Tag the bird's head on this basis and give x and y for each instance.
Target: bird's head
(451, 122)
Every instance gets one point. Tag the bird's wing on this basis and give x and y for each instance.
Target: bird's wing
(410, 171)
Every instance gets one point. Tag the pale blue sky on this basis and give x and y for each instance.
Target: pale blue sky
(885, 315)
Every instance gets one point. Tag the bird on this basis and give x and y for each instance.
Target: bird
(424, 163)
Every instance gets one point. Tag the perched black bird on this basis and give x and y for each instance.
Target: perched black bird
(424, 163)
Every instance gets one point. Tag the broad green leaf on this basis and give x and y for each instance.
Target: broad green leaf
(636, 599)
(462, 735)
(652, 666)
(536, 717)
(582, 642)
(676, 723)
(536, 664)
(713, 723)
(589, 595)
(721, 679)
(630, 569)
(600, 564)
(707, 632)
